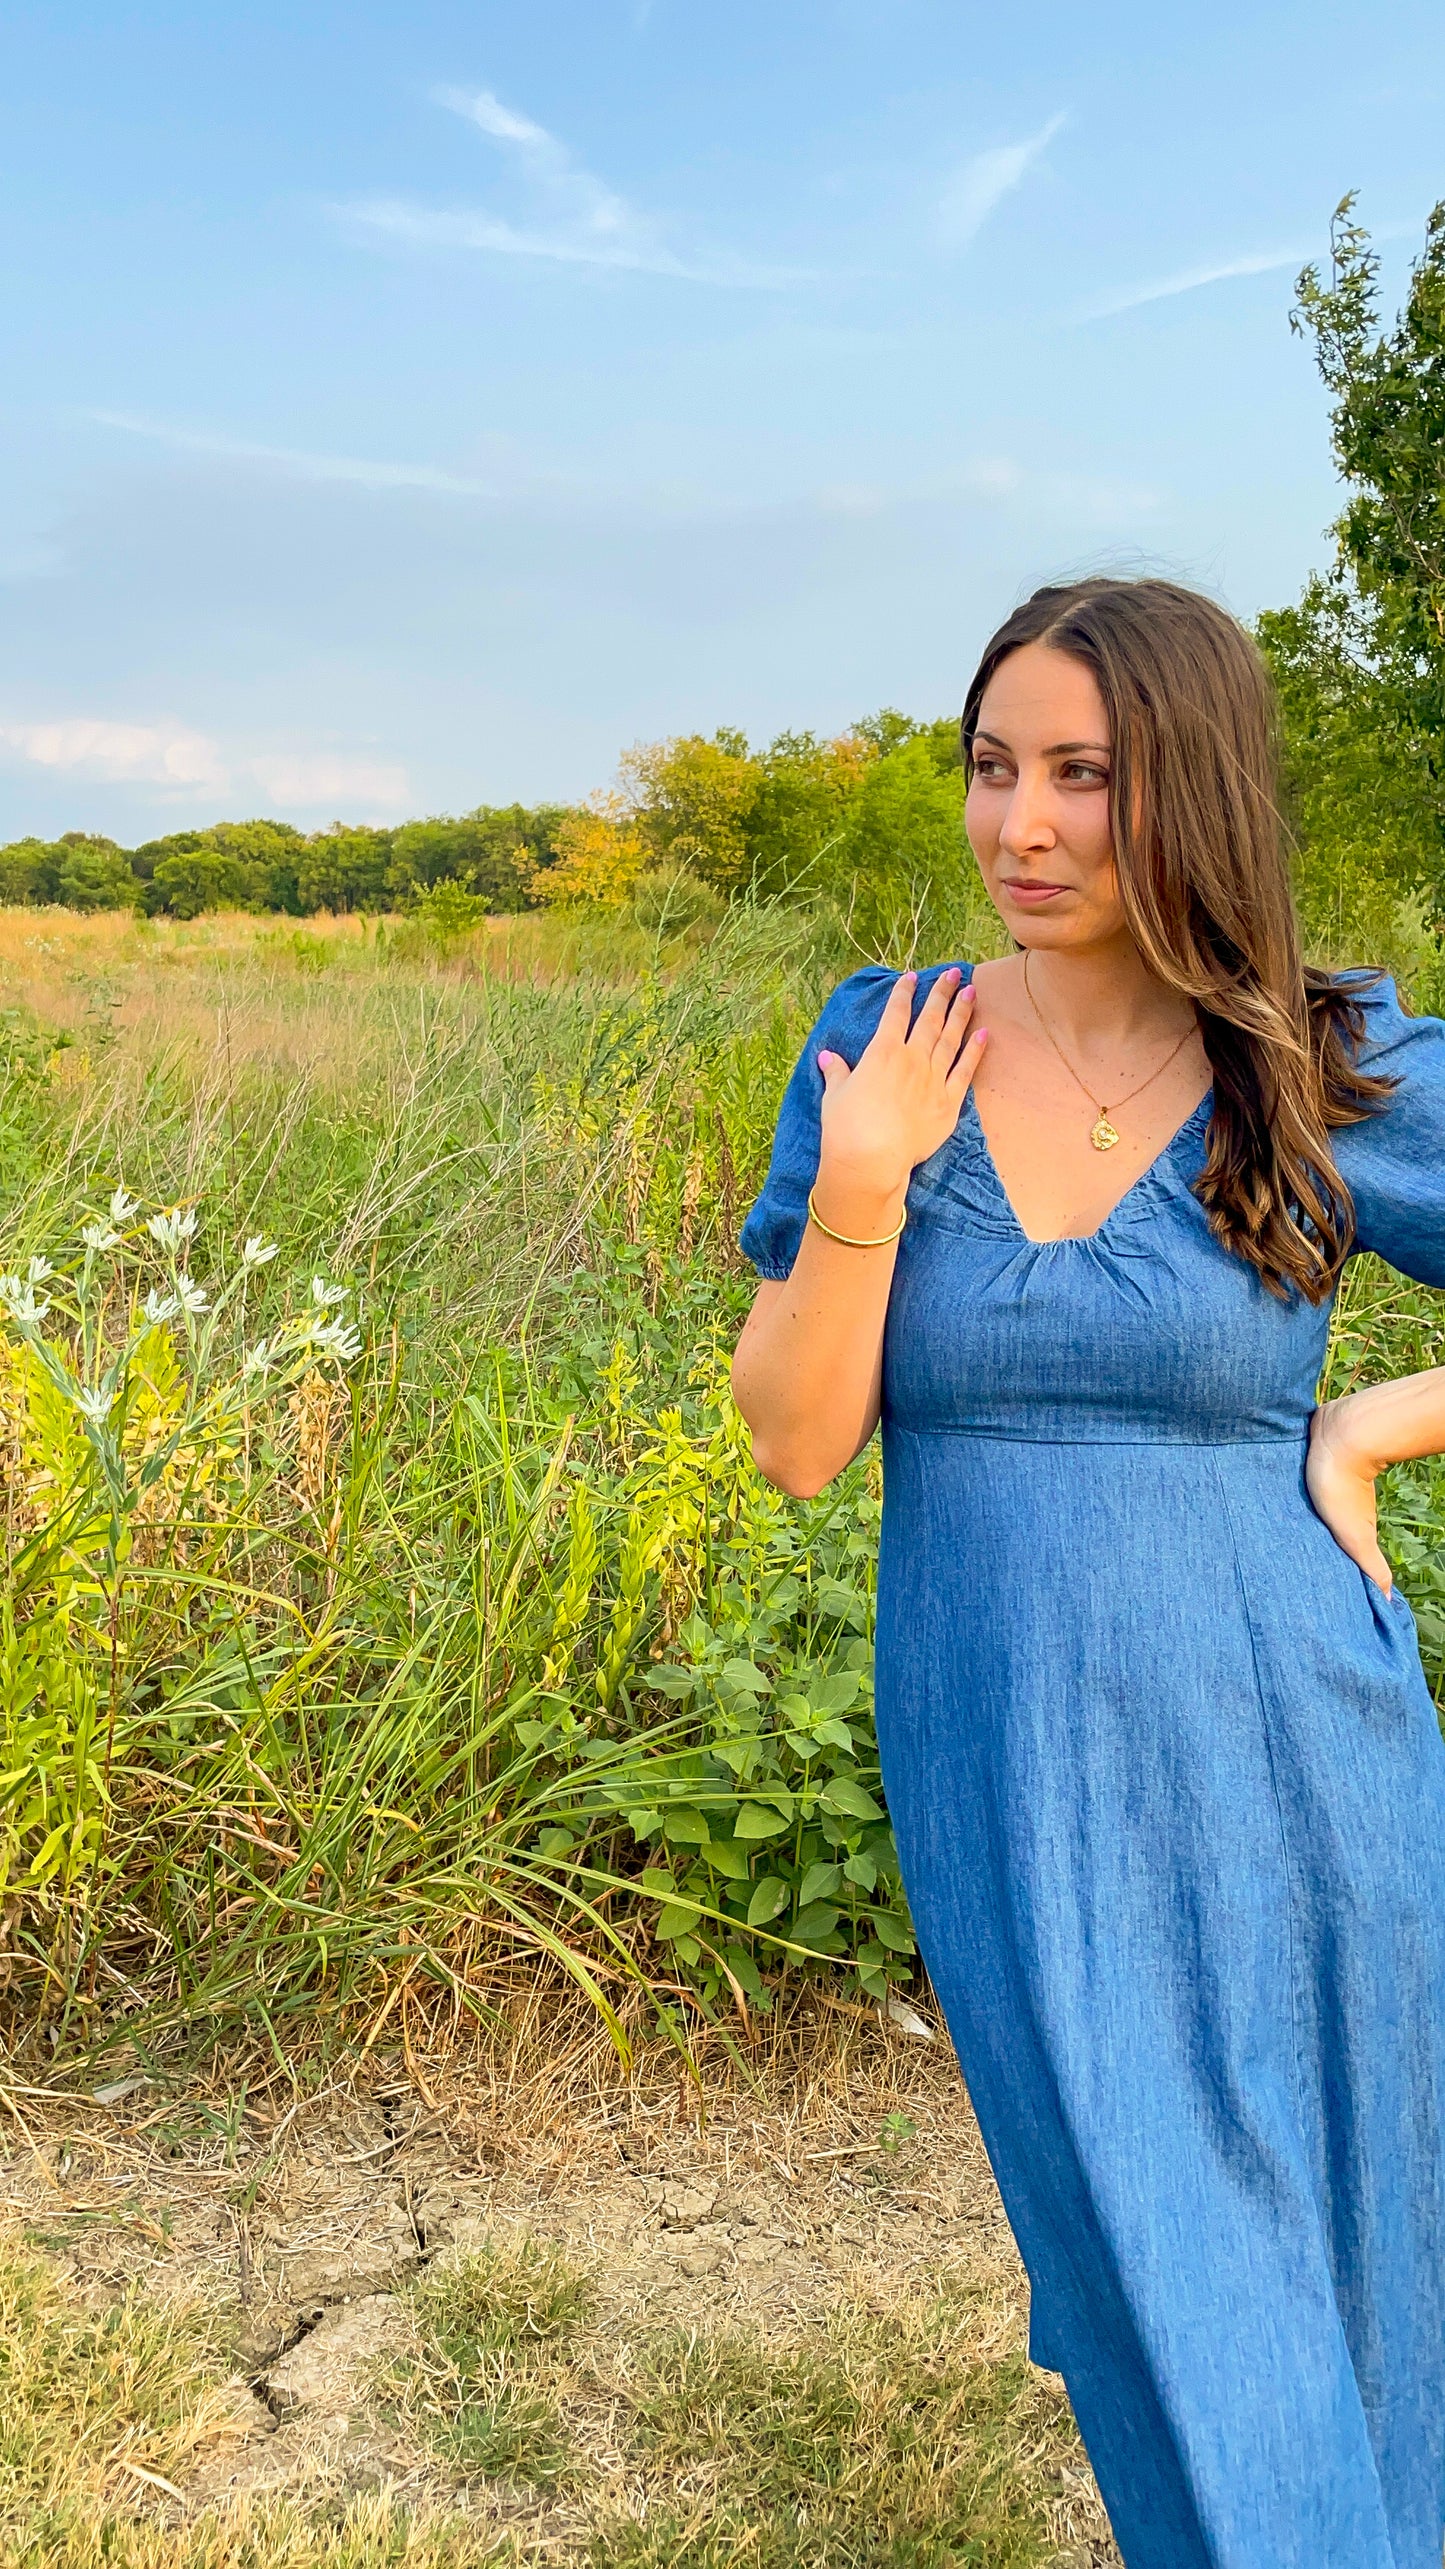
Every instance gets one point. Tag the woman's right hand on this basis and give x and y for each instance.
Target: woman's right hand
(898, 1106)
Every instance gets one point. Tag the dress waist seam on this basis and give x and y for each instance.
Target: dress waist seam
(1027, 1436)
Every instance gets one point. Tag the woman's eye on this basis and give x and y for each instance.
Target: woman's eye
(1079, 771)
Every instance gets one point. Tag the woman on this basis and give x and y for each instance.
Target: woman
(1167, 1782)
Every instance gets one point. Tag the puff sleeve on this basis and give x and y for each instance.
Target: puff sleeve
(771, 1235)
(1394, 1162)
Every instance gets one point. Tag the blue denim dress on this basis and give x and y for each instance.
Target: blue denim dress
(1169, 1795)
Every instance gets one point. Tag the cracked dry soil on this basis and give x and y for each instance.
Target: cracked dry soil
(298, 2224)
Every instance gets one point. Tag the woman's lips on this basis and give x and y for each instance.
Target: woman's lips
(1032, 896)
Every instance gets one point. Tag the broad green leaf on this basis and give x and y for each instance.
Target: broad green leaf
(760, 1820)
(818, 1883)
(740, 1754)
(684, 1827)
(666, 1679)
(844, 1793)
(742, 1677)
(744, 1970)
(769, 1897)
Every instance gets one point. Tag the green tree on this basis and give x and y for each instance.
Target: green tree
(1384, 607)
(693, 799)
(492, 852)
(191, 880)
(794, 822)
(888, 730)
(1357, 804)
(27, 872)
(344, 869)
(92, 873)
(902, 872)
(81, 870)
(270, 853)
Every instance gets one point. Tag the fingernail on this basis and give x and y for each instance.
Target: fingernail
(980, 1034)
(822, 1058)
(910, 978)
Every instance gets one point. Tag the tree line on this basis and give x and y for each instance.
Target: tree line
(872, 820)
(690, 824)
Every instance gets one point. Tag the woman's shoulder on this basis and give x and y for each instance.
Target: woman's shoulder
(1395, 1044)
(851, 1015)
(1387, 1026)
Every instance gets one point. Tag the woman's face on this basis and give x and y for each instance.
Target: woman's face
(1038, 802)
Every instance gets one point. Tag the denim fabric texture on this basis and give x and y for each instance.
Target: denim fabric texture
(1169, 1794)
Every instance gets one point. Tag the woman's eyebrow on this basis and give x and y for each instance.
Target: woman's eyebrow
(1058, 749)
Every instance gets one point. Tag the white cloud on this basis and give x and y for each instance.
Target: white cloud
(569, 214)
(118, 753)
(183, 761)
(582, 208)
(432, 228)
(970, 195)
(1255, 263)
(323, 779)
(288, 459)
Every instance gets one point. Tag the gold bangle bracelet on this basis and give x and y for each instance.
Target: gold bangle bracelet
(842, 1238)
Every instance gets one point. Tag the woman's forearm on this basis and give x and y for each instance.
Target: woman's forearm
(807, 1374)
(1392, 1422)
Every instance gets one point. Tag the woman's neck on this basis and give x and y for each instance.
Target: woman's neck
(1102, 991)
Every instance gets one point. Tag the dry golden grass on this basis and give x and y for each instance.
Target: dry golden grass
(672, 2323)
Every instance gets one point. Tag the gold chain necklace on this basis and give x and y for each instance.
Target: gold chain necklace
(1104, 1135)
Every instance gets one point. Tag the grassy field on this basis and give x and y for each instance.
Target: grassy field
(396, 1630)
(391, 1596)
(409, 1647)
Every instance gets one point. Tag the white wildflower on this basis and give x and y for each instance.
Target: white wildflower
(259, 1252)
(26, 1308)
(122, 1206)
(169, 1230)
(327, 1296)
(99, 1236)
(192, 1298)
(94, 1405)
(333, 1338)
(160, 1306)
(39, 1271)
(259, 1358)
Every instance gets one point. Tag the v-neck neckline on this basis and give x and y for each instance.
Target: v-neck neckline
(1082, 1239)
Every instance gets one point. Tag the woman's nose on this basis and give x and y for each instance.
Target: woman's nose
(1028, 822)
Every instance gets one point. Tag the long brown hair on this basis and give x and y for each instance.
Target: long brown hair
(1204, 879)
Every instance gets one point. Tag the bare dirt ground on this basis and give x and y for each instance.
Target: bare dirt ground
(850, 2172)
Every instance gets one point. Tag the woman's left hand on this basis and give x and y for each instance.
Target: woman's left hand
(1340, 1473)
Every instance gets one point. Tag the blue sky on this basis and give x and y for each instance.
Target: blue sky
(409, 406)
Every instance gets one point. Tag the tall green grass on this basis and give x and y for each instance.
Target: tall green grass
(459, 1632)
(460, 1629)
